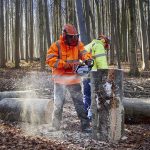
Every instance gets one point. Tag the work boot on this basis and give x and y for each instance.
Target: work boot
(87, 130)
(85, 126)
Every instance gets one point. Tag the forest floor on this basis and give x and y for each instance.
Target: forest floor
(19, 136)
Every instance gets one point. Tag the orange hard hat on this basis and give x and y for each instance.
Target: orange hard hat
(70, 35)
(70, 29)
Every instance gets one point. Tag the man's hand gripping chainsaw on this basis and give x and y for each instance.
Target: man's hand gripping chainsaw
(85, 67)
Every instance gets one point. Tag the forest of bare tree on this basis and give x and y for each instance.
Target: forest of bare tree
(28, 27)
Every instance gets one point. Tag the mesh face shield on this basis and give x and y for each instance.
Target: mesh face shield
(70, 35)
(72, 40)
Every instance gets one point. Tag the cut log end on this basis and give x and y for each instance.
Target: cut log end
(33, 110)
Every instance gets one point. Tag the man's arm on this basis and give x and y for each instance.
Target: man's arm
(83, 54)
(52, 58)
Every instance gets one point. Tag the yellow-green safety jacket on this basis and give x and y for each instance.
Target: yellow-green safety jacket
(96, 47)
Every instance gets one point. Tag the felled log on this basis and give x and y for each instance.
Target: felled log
(17, 94)
(137, 110)
(107, 108)
(31, 110)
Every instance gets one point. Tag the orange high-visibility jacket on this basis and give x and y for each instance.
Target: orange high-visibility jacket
(58, 54)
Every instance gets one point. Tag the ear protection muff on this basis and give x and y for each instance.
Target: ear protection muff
(103, 40)
(64, 34)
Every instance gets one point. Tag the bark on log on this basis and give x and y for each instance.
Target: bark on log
(137, 110)
(107, 108)
(33, 110)
(17, 94)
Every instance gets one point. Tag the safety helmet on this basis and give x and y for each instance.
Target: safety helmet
(70, 35)
(105, 40)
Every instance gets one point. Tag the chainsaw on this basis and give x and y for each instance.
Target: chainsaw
(85, 67)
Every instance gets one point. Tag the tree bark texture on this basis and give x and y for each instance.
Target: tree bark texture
(145, 65)
(132, 36)
(81, 21)
(17, 94)
(107, 108)
(31, 43)
(137, 110)
(33, 110)
(2, 45)
(17, 25)
(48, 33)
(41, 29)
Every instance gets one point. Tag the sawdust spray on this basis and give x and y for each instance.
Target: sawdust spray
(38, 105)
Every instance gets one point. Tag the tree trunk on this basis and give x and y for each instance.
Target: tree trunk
(2, 45)
(145, 65)
(7, 42)
(92, 20)
(98, 16)
(102, 16)
(17, 25)
(17, 94)
(137, 110)
(149, 27)
(117, 33)
(81, 21)
(36, 111)
(112, 46)
(124, 32)
(132, 36)
(87, 20)
(107, 108)
(47, 24)
(21, 33)
(26, 31)
(31, 47)
(41, 29)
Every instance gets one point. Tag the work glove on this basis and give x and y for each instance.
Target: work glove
(75, 65)
(89, 63)
(72, 66)
(68, 66)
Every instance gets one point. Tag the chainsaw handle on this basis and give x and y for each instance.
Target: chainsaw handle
(89, 63)
(82, 70)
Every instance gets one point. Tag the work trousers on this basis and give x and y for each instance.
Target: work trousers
(86, 94)
(59, 99)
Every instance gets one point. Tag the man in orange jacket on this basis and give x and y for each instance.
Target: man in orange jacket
(62, 56)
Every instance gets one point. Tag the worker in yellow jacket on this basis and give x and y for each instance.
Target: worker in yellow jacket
(98, 49)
